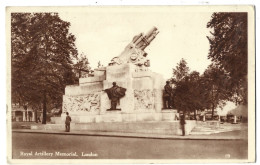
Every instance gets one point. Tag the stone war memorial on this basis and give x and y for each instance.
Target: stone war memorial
(125, 96)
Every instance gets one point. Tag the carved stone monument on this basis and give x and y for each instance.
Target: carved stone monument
(139, 89)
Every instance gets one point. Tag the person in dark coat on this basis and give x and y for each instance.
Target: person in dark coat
(182, 122)
(114, 94)
(67, 122)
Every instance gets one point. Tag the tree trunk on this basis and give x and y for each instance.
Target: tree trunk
(184, 112)
(212, 115)
(36, 117)
(44, 108)
(213, 98)
(195, 115)
(79, 73)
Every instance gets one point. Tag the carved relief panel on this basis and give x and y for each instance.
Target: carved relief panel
(87, 103)
(144, 99)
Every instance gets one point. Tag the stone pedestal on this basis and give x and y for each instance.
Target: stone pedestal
(145, 127)
(170, 115)
(88, 102)
(141, 106)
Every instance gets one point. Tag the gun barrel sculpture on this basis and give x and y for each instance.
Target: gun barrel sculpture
(134, 51)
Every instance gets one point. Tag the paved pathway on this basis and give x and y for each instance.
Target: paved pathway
(202, 131)
(232, 135)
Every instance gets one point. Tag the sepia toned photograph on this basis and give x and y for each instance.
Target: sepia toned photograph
(143, 84)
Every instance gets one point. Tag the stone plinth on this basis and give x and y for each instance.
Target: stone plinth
(154, 127)
(140, 108)
(169, 115)
(88, 102)
(100, 71)
(119, 116)
(90, 80)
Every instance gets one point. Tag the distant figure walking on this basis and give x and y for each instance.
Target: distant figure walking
(67, 122)
(183, 122)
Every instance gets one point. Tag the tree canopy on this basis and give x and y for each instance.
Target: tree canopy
(193, 91)
(82, 67)
(215, 87)
(180, 71)
(42, 51)
(229, 50)
(226, 78)
(188, 92)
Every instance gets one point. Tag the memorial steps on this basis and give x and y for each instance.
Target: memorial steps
(147, 127)
(213, 127)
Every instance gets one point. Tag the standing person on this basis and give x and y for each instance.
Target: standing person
(183, 122)
(67, 122)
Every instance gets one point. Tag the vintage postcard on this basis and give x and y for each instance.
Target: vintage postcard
(132, 84)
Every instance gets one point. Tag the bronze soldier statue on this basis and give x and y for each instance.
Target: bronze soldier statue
(114, 94)
(167, 96)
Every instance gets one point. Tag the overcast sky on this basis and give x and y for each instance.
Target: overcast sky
(103, 34)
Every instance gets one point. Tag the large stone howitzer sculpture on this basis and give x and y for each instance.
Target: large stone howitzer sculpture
(134, 100)
(134, 52)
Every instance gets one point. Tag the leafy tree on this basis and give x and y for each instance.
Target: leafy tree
(42, 50)
(215, 84)
(189, 94)
(229, 50)
(193, 91)
(180, 71)
(197, 92)
(187, 91)
(179, 74)
(82, 67)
